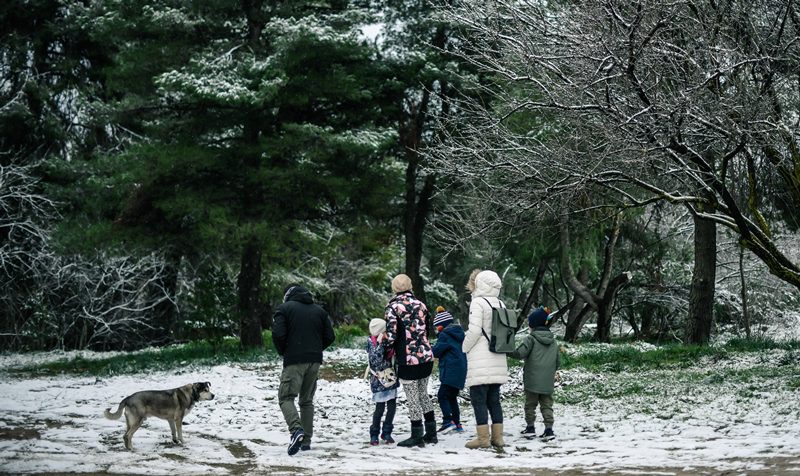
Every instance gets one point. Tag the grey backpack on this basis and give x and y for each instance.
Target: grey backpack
(504, 328)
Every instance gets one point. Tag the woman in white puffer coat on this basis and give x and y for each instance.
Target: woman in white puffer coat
(486, 371)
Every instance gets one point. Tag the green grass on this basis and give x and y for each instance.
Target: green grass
(614, 359)
(621, 358)
(655, 385)
(350, 335)
(652, 388)
(199, 353)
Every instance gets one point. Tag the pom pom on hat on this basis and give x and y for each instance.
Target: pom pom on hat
(377, 326)
(539, 317)
(439, 309)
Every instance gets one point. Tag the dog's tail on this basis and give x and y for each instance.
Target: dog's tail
(116, 414)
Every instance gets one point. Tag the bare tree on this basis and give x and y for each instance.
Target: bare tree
(24, 215)
(67, 302)
(636, 102)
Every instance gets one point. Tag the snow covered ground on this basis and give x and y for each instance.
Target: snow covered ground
(740, 415)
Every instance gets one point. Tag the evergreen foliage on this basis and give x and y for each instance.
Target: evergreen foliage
(167, 167)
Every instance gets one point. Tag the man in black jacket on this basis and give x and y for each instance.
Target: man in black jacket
(301, 330)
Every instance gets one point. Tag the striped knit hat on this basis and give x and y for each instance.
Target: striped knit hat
(443, 318)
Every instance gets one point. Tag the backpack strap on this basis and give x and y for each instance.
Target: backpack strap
(482, 330)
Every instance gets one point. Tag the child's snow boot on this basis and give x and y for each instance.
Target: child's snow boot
(373, 435)
(386, 433)
(459, 428)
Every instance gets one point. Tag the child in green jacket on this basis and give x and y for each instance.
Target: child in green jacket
(540, 352)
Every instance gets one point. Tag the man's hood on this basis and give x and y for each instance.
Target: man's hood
(299, 294)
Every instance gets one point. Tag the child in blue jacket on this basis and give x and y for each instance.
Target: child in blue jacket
(452, 368)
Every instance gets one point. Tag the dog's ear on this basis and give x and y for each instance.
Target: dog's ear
(208, 384)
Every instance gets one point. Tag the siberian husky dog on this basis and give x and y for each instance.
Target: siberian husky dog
(171, 405)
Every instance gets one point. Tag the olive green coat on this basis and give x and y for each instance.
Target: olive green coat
(540, 352)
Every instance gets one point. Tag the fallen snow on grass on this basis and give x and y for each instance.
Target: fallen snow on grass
(650, 421)
(30, 359)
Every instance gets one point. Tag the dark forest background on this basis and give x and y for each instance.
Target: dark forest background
(167, 167)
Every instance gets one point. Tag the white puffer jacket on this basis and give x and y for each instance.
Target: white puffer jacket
(483, 366)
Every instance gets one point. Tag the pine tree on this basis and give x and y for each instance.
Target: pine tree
(245, 125)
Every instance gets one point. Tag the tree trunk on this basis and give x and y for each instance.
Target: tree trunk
(701, 295)
(649, 310)
(580, 311)
(646, 329)
(603, 331)
(606, 305)
(576, 320)
(416, 214)
(533, 295)
(166, 313)
(418, 198)
(631, 315)
(603, 301)
(249, 281)
(745, 307)
(249, 284)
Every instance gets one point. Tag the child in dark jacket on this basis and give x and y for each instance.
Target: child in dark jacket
(380, 358)
(452, 368)
(540, 352)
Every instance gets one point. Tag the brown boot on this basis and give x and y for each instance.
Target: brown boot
(482, 440)
(497, 435)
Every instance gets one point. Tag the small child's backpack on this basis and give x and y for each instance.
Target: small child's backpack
(504, 328)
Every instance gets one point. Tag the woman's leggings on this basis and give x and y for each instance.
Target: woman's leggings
(486, 401)
(417, 398)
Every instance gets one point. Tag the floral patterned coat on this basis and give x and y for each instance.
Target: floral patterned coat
(407, 321)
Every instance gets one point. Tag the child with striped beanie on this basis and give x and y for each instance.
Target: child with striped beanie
(452, 368)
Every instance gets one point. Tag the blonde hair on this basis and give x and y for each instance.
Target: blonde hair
(471, 281)
(401, 283)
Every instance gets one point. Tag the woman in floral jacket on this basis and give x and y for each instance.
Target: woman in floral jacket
(407, 325)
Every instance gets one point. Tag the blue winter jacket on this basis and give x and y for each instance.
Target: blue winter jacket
(452, 361)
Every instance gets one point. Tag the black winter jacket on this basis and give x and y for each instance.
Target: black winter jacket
(301, 330)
